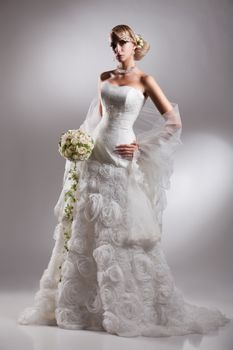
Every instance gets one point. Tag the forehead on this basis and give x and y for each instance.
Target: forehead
(118, 37)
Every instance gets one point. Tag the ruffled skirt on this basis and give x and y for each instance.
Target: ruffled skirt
(114, 276)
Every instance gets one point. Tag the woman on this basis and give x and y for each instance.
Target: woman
(113, 275)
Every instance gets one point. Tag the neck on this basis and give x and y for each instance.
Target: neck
(127, 64)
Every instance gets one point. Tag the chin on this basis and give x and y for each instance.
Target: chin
(123, 58)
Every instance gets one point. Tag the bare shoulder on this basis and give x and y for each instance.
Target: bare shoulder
(105, 75)
(156, 94)
(149, 82)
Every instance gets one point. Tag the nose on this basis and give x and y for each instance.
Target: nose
(118, 48)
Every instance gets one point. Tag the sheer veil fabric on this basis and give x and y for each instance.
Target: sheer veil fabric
(158, 136)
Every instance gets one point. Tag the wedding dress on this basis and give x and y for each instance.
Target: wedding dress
(115, 277)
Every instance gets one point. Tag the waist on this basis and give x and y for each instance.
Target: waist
(110, 137)
(117, 123)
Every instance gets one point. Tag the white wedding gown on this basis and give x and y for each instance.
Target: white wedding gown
(115, 277)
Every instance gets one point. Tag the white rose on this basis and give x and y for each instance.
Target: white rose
(143, 266)
(111, 214)
(115, 273)
(130, 307)
(111, 322)
(81, 150)
(109, 295)
(118, 236)
(90, 142)
(148, 292)
(71, 293)
(68, 140)
(63, 141)
(165, 292)
(102, 233)
(72, 316)
(85, 265)
(83, 139)
(162, 269)
(92, 184)
(78, 244)
(74, 141)
(103, 255)
(68, 269)
(93, 206)
(68, 152)
(129, 286)
(94, 303)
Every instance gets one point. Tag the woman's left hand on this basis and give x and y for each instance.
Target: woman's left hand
(127, 150)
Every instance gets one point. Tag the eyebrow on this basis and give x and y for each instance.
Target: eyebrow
(112, 42)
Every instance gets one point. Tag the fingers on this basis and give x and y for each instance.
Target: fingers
(126, 150)
(129, 146)
(124, 146)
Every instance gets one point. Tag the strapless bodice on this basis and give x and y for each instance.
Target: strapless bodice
(121, 107)
(121, 102)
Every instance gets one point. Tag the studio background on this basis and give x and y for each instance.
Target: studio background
(51, 55)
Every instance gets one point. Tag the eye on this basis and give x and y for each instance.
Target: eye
(122, 42)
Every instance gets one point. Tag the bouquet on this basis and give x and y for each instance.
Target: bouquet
(76, 145)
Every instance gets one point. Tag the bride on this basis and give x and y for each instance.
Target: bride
(110, 273)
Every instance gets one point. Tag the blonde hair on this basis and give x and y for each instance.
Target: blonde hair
(124, 31)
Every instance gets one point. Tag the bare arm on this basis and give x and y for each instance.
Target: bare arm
(156, 94)
(161, 102)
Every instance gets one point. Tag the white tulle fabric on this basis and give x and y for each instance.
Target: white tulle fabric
(115, 277)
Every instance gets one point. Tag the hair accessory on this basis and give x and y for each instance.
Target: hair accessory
(125, 37)
(139, 41)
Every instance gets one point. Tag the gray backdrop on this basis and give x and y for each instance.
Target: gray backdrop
(51, 55)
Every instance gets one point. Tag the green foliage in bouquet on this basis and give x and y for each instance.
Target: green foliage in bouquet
(74, 145)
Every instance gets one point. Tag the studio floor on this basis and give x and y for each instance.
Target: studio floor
(14, 336)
